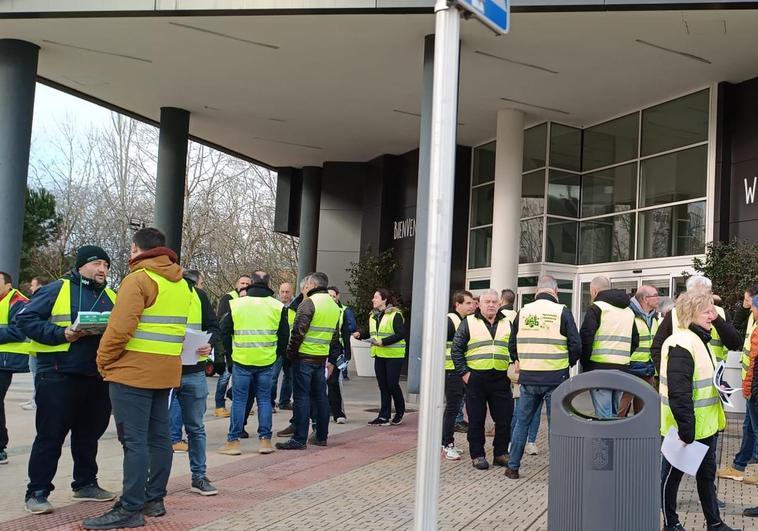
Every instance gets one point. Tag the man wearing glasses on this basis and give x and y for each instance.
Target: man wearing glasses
(644, 304)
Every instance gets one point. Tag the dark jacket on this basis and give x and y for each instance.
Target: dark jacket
(227, 326)
(679, 371)
(741, 318)
(568, 329)
(461, 339)
(305, 312)
(10, 361)
(729, 335)
(348, 327)
(208, 324)
(619, 299)
(33, 320)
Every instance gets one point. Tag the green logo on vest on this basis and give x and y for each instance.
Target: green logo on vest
(532, 321)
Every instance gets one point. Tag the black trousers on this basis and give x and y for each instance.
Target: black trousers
(387, 372)
(453, 398)
(67, 403)
(493, 389)
(334, 391)
(5, 383)
(706, 486)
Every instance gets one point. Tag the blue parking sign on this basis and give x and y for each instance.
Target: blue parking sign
(494, 14)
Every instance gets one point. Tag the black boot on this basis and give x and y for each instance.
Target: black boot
(116, 518)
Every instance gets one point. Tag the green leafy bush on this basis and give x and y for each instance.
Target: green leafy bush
(371, 272)
(732, 267)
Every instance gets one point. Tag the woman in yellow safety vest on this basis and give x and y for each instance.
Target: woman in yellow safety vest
(386, 330)
(690, 404)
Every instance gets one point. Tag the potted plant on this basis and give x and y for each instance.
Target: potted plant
(371, 272)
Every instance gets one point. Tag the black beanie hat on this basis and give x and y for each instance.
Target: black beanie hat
(90, 253)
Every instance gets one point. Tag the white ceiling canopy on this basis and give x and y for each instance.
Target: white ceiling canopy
(298, 90)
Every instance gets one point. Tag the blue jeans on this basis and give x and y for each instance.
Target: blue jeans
(190, 403)
(310, 388)
(534, 427)
(284, 367)
(606, 402)
(747, 447)
(259, 378)
(175, 417)
(221, 385)
(529, 406)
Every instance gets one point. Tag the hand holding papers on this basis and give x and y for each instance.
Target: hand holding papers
(685, 457)
(193, 340)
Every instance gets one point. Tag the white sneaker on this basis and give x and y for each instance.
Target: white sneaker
(451, 453)
(531, 449)
(341, 420)
(29, 406)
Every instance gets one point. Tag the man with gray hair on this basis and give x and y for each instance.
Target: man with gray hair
(314, 345)
(544, 343)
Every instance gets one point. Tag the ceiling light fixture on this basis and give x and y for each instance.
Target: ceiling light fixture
(525, 104)
(417, 115)
(92, 50)
(671, 50)
(225, 36)
(512, 61)
(287, 143)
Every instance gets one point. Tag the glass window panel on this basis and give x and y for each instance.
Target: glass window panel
(535, 146)
(480, 248)
(530, 249)
(565, 284)
(676, 123)
(608, 239)
(674, 177)
(527, 298)
(532, 194)
(482, 201)
(561, 241)
(565, 147)
(484, 164)
(608, 191)
(563, 194)
(479, 284)
(585, 300)
(610, 143)
(527, 282)
(673, 231)
(564, 298)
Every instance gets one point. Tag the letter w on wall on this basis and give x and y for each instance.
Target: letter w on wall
(750, 191)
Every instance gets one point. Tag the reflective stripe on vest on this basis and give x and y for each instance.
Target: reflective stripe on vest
(386, 329)
(540, 344)
(60, 315)
(162, 326)
(256, 322)
(456, 320)
(709, 413)
(326, 318)
(642, 354)
(745, 356)
(613, 338)
(484, 352)
(17, 347)
(195, 317)
(717, 347)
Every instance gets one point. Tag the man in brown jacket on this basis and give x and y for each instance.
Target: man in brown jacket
(140, 356)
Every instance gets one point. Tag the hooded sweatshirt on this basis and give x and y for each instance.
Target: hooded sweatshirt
(137, 292)
(614, 297)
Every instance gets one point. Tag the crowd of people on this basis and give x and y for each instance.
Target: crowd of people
(498, 360)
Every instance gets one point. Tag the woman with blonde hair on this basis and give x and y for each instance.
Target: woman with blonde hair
(691, 405)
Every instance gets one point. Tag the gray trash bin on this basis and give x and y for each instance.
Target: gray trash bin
(604, 474)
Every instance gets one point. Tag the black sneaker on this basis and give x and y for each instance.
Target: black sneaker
(675, 527)
(721, 527)
(289, 431)
(3, 457)
(37, 503)
(461, 427)
(314, 441)
(154, 508)
(93, 493)
(244, 435)
(480, 463)
(397, 420)
(292, 444)
(116, 518)
(751, 512)
(203, 487)
(379, 421)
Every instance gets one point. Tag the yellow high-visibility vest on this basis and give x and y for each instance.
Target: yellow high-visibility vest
(456, 320)
(484, 352)
(539, 342)
(60, 315)
(718, 349)
(163, 325)
(256, 322)
(17, 347)
(613, 338)
(643, 353)
(709, 412)
(386, 329)
(326, 319)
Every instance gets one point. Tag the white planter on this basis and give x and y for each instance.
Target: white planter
(364, 363)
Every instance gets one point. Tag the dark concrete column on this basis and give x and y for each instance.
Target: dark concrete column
(172, 175)
(18, 76)
(422, 216)
(310, 204)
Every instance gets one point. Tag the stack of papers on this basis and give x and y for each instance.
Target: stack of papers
(685, 457)
(92, 322)
(193, 340)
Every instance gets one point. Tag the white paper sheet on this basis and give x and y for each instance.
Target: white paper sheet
(193, 340)
(724, 391)
(686, 458)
